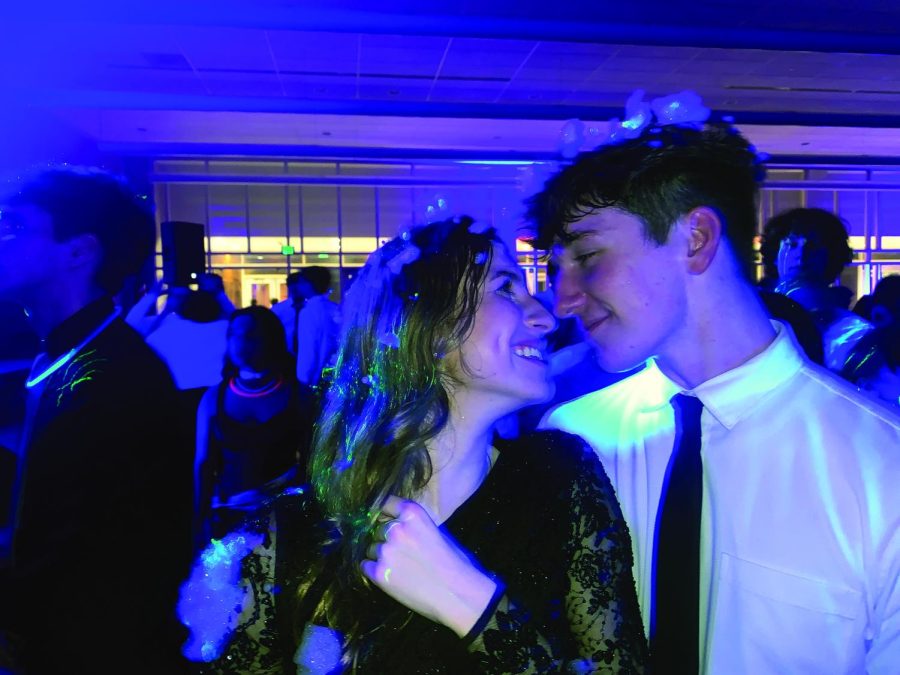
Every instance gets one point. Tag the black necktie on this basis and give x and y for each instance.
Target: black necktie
(674, 627)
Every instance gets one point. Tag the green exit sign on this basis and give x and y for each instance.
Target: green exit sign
(287, 250)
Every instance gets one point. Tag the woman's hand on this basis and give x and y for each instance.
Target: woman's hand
(418, 565)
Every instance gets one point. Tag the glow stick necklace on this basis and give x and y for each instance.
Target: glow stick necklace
(69, 355)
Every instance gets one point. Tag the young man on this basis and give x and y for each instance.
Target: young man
(804, 251)
(762, 501)
(310, 320)
(103, 492)
(288, 312)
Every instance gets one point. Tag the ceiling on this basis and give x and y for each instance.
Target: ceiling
(496, 78)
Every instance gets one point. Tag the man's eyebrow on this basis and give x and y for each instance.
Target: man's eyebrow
(572, 237)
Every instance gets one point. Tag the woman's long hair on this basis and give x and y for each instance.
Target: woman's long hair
(413, 302)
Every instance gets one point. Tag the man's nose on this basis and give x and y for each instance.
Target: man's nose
(568, 296)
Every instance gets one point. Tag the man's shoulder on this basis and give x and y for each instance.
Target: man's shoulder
(605, 408)
(838, 402)
(118, 360)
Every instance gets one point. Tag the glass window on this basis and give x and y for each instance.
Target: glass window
(358, 212)
(186, 201)
(319, 218)
(228, 218)
(251, 226)
(395, 210)
(267, 214)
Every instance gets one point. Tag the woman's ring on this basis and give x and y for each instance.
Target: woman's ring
(386, 528)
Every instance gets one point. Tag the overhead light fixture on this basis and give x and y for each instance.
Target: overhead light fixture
(498, 162)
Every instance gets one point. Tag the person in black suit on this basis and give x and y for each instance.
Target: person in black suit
(102, 524)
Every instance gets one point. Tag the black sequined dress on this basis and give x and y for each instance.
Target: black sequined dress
(545, 521)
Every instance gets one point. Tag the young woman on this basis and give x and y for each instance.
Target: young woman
(427, 545)
(254, 429)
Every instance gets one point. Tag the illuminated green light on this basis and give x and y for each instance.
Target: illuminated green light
(287, 250)
(322, 255)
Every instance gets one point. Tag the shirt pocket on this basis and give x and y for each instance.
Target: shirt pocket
(774, 621)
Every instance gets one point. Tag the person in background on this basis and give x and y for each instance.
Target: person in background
(253, 429)
(427, 546)
(311, 321)
(209, 282)
(192, 338)
(885, 306)
(760, 489)
(801, 321)
(804, 251)
(874, 364)
(102, 524)
(288, 312)
(143, 317)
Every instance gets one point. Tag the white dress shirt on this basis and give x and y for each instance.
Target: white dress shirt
(318, 324)
(801, 510)
(194, 352)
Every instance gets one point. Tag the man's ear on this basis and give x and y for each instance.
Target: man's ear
(704, 234)
(84, 250)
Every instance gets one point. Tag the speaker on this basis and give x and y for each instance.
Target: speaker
(183, 252)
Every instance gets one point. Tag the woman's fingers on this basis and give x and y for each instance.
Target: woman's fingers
(377, 574)
(384, 530)
(393, 506)
(374, 551)
(369, 569)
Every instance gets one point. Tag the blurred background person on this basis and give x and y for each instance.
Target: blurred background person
(191, 339)
(311, 321)
(804, 251)
(874, 364)
(288, 312)
(884, 308)
(253, 428)
(102, 526)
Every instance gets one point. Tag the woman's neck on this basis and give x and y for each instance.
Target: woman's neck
(254, 384)
(461, 457)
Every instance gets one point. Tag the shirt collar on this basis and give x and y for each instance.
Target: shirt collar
(731, 396)
(78, 326)
(735, 393)
(656, 389)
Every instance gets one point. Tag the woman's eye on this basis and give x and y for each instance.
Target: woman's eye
(507, 287)
(585, 257)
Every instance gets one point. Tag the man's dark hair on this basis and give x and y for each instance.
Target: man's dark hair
(293, 278)
(828, 228)
(659, 176)
(90, 201)
(319, 278)
(887, 296)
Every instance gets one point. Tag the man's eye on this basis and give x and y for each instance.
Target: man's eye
(584, 257)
